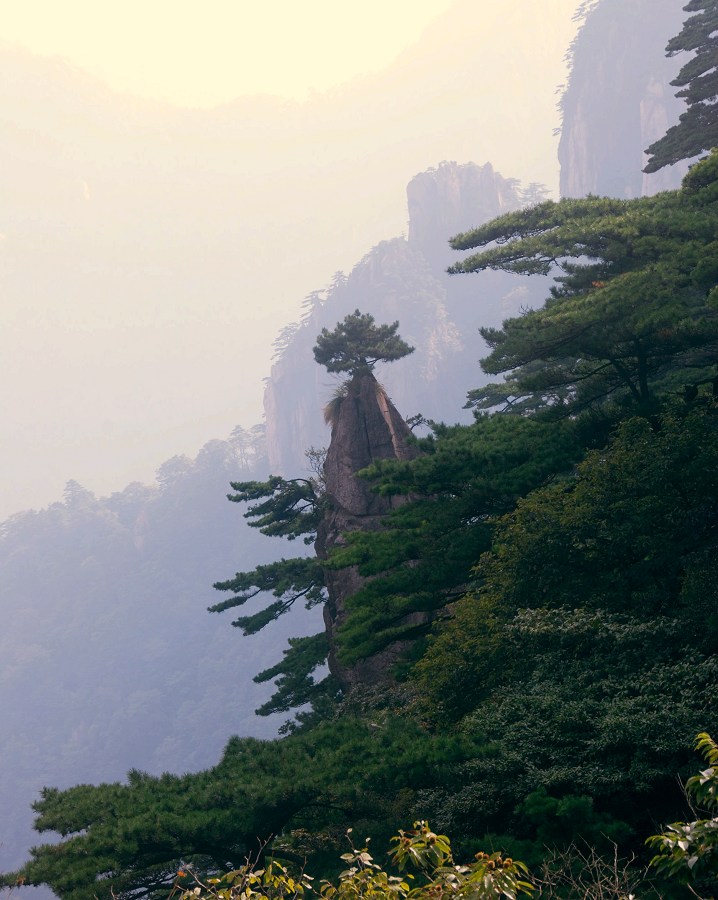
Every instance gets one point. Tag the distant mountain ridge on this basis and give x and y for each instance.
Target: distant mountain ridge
(109, 657)
(155, 245)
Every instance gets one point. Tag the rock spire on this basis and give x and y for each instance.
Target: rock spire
(366, 427)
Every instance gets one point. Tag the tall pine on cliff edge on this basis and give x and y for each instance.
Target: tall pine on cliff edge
(366, 428)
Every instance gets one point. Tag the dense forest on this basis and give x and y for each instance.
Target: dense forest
(520, 635)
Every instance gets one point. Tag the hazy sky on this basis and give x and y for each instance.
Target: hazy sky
(149, 254)
(205, 53)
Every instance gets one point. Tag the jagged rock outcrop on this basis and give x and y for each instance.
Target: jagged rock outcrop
(619, 99)
(366, 427)
(453, 198)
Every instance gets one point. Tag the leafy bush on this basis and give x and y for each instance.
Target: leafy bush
(488, 877)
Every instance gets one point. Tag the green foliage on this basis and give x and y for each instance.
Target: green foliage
(635, 312)
(356, 345)
(294, 674)
(288, 579)
(697, 129)
(422, 558)
(587, 655)
(689, 850)
(632, 534)
(131, 839)
(289, 508)
(488, 877)
(274, 882)
(583, 720)
(554, 819)
(625, 536)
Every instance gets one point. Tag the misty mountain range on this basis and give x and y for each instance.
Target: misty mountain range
(118, 585)
(159, 246)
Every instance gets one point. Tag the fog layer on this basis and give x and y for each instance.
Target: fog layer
(149, 255)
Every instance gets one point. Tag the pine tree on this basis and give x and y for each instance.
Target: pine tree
(293, 508)
(697, 128)
(356, 345)
(635, 310)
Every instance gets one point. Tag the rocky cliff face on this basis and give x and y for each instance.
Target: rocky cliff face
(366, 427)
(405, 279)
(453, 198)
(619, 99)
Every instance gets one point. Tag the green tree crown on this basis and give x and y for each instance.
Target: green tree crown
(697, 128)
(633, 314)
(356, 345)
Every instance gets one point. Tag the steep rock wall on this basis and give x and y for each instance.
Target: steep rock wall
(619, 99)
(453, 198)
(366, 427)
(392, 282)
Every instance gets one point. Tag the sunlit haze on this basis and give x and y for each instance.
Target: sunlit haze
(150, 252)
(201, 54)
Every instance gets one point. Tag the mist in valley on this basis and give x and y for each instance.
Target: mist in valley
(150, 254)
(164, 271)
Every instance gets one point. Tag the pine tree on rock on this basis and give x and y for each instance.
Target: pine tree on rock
(366, 429)
(356, 345)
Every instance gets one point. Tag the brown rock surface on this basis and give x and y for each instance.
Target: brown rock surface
(366, 427)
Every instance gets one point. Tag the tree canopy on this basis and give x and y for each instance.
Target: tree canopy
(131, 839)
(697, 128)
(288, 508)
(356, 345)
(635, 309)
(423, 557)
